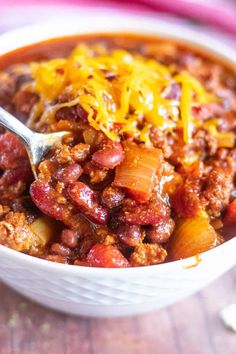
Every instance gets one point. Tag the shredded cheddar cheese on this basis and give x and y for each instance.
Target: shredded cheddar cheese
(123, 93)
(225, 139)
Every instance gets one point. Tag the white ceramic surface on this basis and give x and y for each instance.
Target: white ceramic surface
(112, 292)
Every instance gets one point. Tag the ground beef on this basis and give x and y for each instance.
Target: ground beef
(78, 153)
(216, 194)
(147, 254)
(95, 174)
(56, 259)
(227, 123)
(186, 201)
(162, 141)
(204, 143)
(15, 233)
(150, 213)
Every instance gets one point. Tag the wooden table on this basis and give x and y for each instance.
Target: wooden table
(190, 327)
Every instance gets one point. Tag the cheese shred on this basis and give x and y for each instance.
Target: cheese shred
(122, 93)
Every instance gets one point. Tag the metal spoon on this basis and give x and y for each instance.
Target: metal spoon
(37, 144)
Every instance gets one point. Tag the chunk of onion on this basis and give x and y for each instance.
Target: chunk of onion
(193, 236)
(138, 170)
(44, 229)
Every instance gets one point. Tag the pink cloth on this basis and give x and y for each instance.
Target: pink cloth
(221, 13)
(218, 12)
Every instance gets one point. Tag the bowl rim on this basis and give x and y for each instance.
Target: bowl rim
(115, 23)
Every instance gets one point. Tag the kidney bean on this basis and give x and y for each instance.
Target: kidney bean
(106, 256)
(82, 114)
(160, 232)
(60, 250)
(43, 196)
(110, 156)
(112, 197)
(22, 173)
(86, 200)
(74, 113)
(12, 151)
(70, 173)
(22, 79)
(24, 102)
(80, 224)
(130, 235)
(69, 238)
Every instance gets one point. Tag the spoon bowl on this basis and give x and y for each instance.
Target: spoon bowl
(36, 144)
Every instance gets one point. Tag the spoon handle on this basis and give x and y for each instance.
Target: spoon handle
(15, 126)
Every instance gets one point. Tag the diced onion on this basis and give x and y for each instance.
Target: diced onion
(44, 229)
(138, 170)
(193, 236)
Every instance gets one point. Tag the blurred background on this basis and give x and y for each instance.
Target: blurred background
(190, 327)
(217, 16)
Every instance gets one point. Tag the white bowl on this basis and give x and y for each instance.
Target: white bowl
(100, 292)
